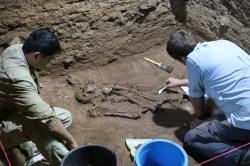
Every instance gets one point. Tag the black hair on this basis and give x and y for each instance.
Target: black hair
(42, 40)
(181, 43)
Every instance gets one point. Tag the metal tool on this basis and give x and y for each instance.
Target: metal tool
(162, 90)
(165, 89)
(163, 66)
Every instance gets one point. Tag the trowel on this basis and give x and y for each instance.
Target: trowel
(162, 90)
(165, 89)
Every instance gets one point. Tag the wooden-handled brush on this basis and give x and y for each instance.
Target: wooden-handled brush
(163, 66)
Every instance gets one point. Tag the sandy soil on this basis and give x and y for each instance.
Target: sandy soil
(170, 121)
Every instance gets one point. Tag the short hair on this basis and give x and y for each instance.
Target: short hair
(42, 40)
(181, 43)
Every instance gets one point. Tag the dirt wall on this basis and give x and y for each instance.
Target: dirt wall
(98, 32)
(228, 19)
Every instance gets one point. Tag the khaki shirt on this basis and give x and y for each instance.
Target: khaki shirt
(19, 92)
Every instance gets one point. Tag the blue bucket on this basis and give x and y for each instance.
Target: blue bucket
(160, 152)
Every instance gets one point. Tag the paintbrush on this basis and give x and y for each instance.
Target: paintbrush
(163, 66)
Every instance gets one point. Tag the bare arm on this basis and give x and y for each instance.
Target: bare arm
(200, 108)
(61, 132)
(174, 82)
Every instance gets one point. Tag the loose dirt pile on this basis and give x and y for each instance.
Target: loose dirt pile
(126, 100)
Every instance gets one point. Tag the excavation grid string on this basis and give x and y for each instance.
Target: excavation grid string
(5, 154)
(223, 154)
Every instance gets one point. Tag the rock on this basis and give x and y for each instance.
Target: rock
(224, 25)
(113, 1)
(162, 9)
(110, 59)
(90, 88)
(107, 91)
(113, 17)
(84, 99)
(68, 62)
(130, 16)
(103, 5)
(147, 5)
(72, 81)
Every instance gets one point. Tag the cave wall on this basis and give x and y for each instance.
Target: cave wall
(98, 32)
(215, 19)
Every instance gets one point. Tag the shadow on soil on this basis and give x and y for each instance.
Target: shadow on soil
(174, 118)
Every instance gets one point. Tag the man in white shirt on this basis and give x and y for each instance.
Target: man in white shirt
(220, 69)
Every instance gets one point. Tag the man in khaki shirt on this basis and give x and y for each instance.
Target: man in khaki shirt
(24, 115)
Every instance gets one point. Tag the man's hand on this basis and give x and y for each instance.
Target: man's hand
(174, 82)
(61, 132)
(72, 145)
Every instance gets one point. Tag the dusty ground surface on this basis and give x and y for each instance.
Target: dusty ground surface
(169, 121)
